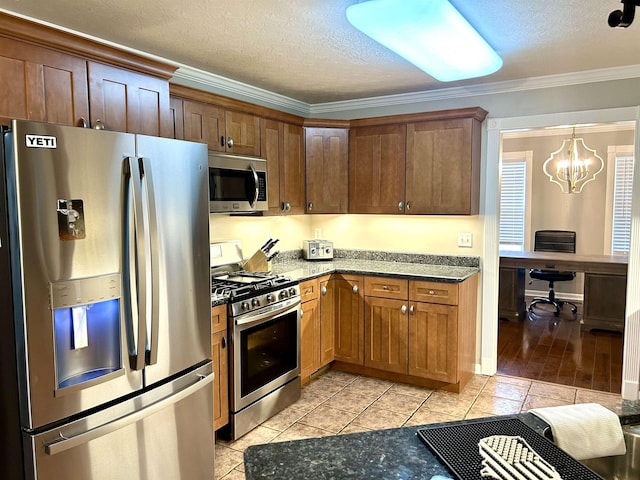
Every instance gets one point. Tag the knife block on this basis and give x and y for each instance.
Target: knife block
(257, 263)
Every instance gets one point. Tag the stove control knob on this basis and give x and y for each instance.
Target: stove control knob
(292, 291)
(245, 306)
(284, 294)
(270, 298)
(255, 302)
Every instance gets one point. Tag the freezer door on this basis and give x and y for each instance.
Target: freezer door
(175, 186)
(164, 433)
(65, 196)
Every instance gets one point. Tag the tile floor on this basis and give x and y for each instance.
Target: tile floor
(339, 403)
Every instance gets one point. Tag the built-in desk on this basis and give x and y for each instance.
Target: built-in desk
(605, 284)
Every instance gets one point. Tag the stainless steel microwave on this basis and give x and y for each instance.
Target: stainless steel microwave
(237, 183)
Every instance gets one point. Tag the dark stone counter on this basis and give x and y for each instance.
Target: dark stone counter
(395, 453)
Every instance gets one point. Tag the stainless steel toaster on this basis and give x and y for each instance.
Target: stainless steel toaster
(317, 249)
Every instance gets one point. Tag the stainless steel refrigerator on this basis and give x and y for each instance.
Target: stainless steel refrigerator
(105, 339)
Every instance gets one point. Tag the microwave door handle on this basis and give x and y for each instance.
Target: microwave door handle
(136, 273)
(153, 264)
(256, 184)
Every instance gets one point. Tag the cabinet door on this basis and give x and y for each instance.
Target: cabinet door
(310, 341)
(292, 171)
(41, 85)
(443, 170)
(127, 101)
(342, 301)
(204, 123)
(271, 137)
(177, 117)
(220, 355)
(433, 336)
(377, 169)
(242, 133)
(326, 159)
(385, 331)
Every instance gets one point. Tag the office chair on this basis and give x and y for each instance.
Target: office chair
(553, 241)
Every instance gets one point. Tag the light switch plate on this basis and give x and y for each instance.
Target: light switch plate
(465, 240)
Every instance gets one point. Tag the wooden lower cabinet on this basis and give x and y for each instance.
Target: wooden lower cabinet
(316, 336)
(433, 333)
(418, 332)
(220, 357)
(341, 303)
(604, 302)
(386, 334)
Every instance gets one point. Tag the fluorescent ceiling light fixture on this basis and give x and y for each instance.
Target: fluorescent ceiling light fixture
(431, 34)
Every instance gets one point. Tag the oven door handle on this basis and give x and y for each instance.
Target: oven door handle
(252, 319)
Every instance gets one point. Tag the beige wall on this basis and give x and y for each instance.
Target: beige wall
(423, 234)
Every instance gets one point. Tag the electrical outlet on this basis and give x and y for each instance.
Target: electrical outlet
(465, 240)
(318, 233)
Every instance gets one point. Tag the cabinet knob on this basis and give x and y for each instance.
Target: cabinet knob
(412, 309)
(286, 206)
(224, 342)
(310, 206)
(403, 309)
(400, 206)
(98, 125)
(408, 205)
(355, 289)
(432, 292)
(384, 287)
(83, 123)
(230, 142)
(323, 290)
(301, 313)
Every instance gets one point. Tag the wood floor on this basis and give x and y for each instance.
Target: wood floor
(555, 349)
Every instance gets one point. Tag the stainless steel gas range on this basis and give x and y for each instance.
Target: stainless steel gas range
(264, 332)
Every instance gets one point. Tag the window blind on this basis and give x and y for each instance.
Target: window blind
(512, 205)
(622, 193)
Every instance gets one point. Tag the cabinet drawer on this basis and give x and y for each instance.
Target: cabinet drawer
(309, 290)
(386, 287)
(219, 319)
(433, 292)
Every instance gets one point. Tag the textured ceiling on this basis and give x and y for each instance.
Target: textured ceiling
(306, 49)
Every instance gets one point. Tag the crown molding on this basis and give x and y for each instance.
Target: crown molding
(533, 83)
(210, 82)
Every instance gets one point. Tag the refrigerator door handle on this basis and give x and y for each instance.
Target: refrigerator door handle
(66, 443)
(151, 221)
(137, 268)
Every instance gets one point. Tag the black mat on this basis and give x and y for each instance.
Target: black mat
(457, 447)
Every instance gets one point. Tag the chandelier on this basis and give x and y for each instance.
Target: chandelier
(573, 165)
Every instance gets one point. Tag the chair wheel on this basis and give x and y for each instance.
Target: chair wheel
(574, 310)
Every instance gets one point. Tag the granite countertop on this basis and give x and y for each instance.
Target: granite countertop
(304, 270)
(395, 453)
(416, 266)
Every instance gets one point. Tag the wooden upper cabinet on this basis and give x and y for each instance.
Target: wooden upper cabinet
(40, 84)
(292, 175)
(127, 101)
(283, 147)
(326, 158)
(204, 123)
(443, 167)
(242, 133)
(377, 169)
(176, 107)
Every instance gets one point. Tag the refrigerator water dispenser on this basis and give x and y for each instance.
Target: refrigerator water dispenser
(87, 333)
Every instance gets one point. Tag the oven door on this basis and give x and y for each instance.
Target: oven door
(266, 354)
(237, 184)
